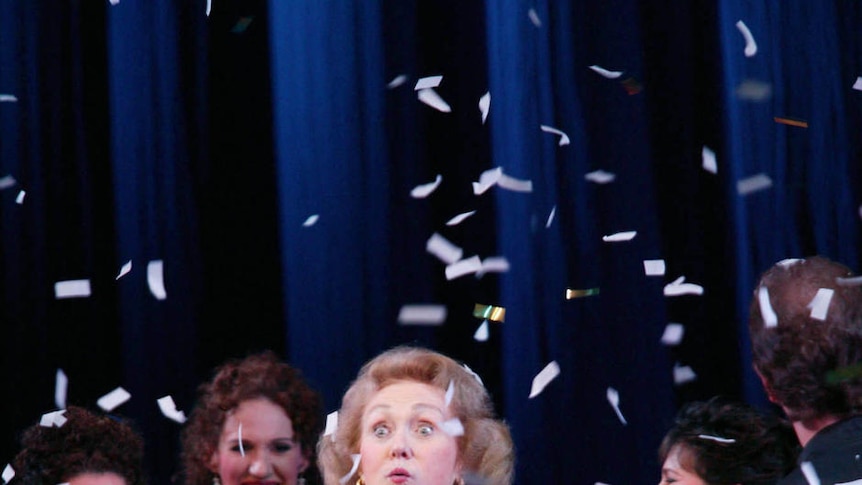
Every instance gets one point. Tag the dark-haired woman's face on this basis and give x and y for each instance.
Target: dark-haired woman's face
(672, 471)
(258, 445)
(108, 478)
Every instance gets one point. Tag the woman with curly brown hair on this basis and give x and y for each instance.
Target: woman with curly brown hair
(256, 421)
(722, 442)
(414, 416)
(85, 449)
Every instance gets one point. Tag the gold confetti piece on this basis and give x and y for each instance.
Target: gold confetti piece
(241, 25)
(792, 122)
(631, 86)
(570, 293)
(490, 312)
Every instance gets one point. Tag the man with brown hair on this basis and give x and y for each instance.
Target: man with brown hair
(805, 323)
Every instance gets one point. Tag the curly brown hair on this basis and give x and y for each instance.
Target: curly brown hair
(763, 449)
(259, 375)
(485, 449)
(85, 443)
(797, 357)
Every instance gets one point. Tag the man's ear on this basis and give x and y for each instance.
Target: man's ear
(766, 386)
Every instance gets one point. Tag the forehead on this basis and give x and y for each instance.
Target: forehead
(256, 416)
(108, 478)
(407, 394)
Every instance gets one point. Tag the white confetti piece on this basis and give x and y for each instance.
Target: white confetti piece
(543, 378)
(8, 98)
(709, 163)
(551, 217)
(717, 439)
(111, 400)
(54, 418)
(459, 218)
(481, 333)
(169, 409)
(20, 198)
(854, 482)
(450, 393)
(750, 44)
(487, 179)
(513, 184)
(61, 385)
(753, 184)
(427, 82)
(606, 73)
(239, 439)
(7, 181)
(452, 427)
(853, 281)
(534, 17)
(475, 375)
(494, 264)
(673, 333)
(654, 267)
(331, 424)
(620, 236)
(424, 190)
(114, 2)
(600, 177)
(444, 250)
(156, 279)
(353, 469)
(209, 6)
(311, 220)
(680, 287)
(810, 473)
(614, 399)
(485, 105)
(820, 304)
(8, 473)
(770, 319)
(858, 84)
(564, 138)
(683, 374)
(432, 99)
(72, 289)
(754, 90)
(397, 81)
(422, 315)
(787, 263)
(124, 270)
(463, 267)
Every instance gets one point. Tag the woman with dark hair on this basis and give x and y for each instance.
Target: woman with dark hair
(85, 449)
(720, 442)
(256, 421)
(414, 416)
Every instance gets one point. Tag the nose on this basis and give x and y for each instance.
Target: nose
(260, 466)
(401, 447)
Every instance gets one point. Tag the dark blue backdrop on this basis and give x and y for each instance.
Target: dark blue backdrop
(150, 131)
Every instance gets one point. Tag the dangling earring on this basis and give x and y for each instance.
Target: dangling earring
(359, 480)
(216, 481)
(300, 480)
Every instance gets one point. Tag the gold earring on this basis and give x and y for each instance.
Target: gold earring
(359, 480)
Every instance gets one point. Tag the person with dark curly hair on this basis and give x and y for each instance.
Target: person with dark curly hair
(805, 322)
(86, 449)
(256, 421)
(414, 416)
(721, 442)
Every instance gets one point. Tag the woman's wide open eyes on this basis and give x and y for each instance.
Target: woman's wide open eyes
(380, 430)
(425, 429)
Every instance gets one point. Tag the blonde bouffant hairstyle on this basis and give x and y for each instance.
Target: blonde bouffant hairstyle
(485, 450)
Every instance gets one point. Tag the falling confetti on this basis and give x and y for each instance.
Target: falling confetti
(754, 90)
(7, 181)
(489, 312)
(485, 105)
(156, 279)
(614, 399)
(564, 138)
(620, 236)
(551, 217)
(424, 190)
(450, 393)
(654, 267)
(709, 163)
(534, 17)
(8, 98)
(854, 281)
(353, 469)
(857, 85)
(20, 198)
(54, 418)
(487, 179)
(513, 184)
(606, 73)
(572, 293)
(680, 287)
(209, 6)
(482, 333)
(791, 122)
(770, 319)
(61, 386)
(331, 424)
(452, 427)
(432, 99)
(8, 474)
(717, 439)
(169, 409)
(397, 81)
(444, 250)
(683, 374)
(311, 220)
(241, 25)
(810, 473)
(463, 267)
(459, 218)
(543, 378)
(427, 82)
(753, 184)
(820, 304)
(124, 270)
(72, 289)
(113, 399)
(422, 315)
(750, 44)
(673, 333)
(600, 177)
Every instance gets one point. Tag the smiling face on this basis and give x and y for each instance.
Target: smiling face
(402, 440)
(672, 471)
(270, 452)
